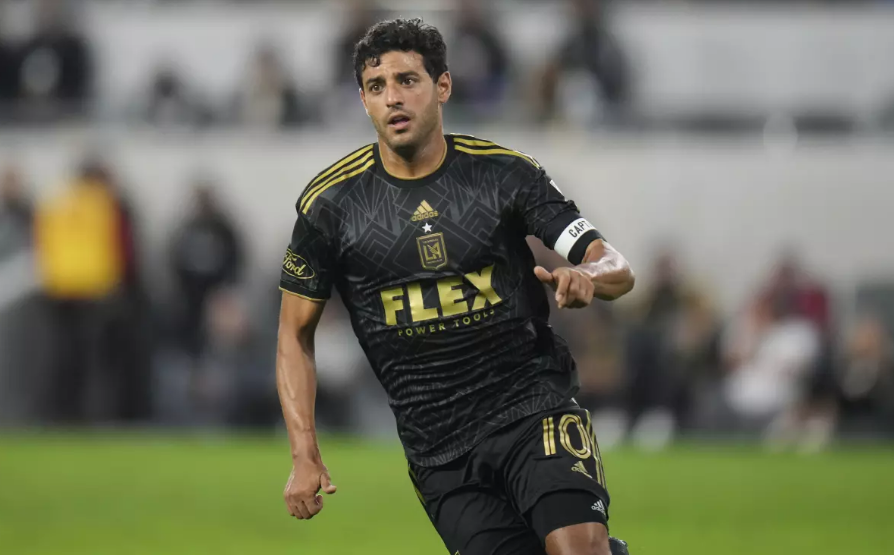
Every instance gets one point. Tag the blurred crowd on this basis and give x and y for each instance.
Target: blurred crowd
(86, 339)
(50, 75)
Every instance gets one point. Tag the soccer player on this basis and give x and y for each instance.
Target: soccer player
(423, 235)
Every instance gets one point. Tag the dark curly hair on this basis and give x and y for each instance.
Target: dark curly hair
(405, 35)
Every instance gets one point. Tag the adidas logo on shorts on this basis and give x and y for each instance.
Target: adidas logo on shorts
(424, 212)
(598, 506)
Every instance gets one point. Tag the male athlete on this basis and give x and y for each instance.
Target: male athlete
(423, 235)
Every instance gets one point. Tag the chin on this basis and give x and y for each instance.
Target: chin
(402, 141)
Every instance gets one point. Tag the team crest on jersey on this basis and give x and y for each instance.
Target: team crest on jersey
(432, 251)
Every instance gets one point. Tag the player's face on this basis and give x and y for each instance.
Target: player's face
(402, 100)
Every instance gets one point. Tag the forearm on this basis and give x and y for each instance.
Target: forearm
(296, 382)
(608, 270)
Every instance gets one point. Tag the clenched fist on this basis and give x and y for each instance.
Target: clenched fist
(302, 490)
(573, 287)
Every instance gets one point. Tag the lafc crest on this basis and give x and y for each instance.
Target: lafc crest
(432, 251)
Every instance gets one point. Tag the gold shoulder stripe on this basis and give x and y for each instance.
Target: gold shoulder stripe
(338, 165)
(314, 190)
(284, 290)
(474, 142)
(335, 181)
(492, 151)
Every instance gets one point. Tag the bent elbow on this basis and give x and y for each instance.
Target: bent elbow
(620, 288)
(631, 281)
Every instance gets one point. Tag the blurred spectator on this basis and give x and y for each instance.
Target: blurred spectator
(8, 78)
(866, 379)
(126, 333)
(15, 214)
(792, 288)
(55, 67)
(649, 374)
(771, 351)
(479, 63)
(360, 16)
(588, 79)
(171, 104)
(594, 336)
(16, 260)
(344, 105)
(82, 264)
(667, 352)
(666, 296)
(206, 255)
(17, 339)
(235, 383)
(269, 99)
(694, 361)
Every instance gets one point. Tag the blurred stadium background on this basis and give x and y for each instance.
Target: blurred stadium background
(740, 154)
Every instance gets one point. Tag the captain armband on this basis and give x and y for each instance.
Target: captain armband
(575, 238)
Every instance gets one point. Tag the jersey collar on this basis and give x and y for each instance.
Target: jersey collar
(449, 155)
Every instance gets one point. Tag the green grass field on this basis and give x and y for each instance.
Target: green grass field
(154, 495)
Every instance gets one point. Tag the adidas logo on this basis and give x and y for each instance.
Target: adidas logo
(579, 467)
(424, 212)
(598, 506)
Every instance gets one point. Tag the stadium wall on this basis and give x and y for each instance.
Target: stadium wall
(729, 207)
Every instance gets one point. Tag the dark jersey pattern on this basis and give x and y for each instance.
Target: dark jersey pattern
(439, 282)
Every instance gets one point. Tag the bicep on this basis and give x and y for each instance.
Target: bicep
(299, 317)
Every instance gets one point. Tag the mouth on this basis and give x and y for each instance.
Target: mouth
(399, 122)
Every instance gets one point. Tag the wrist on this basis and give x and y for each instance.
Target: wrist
(305, 447)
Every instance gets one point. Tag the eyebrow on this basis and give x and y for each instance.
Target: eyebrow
(377, 80)
(374, 81)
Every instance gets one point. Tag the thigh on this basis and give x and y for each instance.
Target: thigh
(471, 517)
(570, 522)
(558, 454)
(481, 523)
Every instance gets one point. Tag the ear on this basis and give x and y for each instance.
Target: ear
(363, 100)
(445, 87)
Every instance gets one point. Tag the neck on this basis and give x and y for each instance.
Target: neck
(417, 162)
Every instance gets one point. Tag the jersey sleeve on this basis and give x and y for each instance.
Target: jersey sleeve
(552, 218)
(308, 263)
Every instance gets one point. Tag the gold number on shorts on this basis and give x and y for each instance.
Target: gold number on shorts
(549, 436)
(589, 445)
(585, 451)
(600, 470)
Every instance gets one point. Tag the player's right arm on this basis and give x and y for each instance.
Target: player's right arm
(296, 381)
(305, 281)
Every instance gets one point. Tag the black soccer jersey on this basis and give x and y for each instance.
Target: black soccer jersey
(439, 282)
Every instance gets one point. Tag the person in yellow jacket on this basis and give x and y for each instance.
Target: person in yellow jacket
(79, 242)
(80, 262)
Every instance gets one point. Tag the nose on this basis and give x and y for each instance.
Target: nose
(394, 96)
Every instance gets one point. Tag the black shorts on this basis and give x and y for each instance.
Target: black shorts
(530, 478)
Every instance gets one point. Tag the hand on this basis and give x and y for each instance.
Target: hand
(573, 288)
(301, 493)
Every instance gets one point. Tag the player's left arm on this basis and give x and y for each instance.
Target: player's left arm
(604, 274)
(599, 270)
